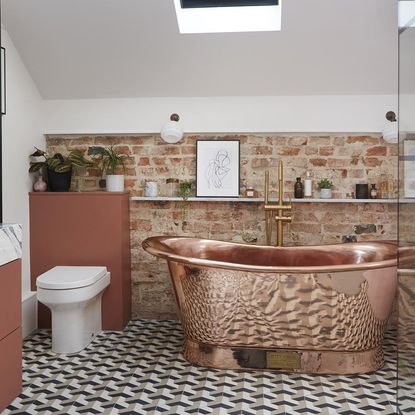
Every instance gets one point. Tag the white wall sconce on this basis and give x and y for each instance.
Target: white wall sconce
(171, 132)
(390, 129)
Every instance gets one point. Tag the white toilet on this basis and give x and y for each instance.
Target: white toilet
(73, 295)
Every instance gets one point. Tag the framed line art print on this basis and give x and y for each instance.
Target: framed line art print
(217, 168)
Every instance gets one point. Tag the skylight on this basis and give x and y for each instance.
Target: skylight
(222, 16)
(406, 14)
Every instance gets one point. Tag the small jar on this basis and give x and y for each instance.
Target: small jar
(250, 192)
(172, 187)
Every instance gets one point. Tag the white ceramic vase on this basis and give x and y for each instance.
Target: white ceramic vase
(115, 183)
(325, 193)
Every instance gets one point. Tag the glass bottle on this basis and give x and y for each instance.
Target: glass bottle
(391, 189)
(373, 192)
(298, 189)
(383, 187)
(308, 185)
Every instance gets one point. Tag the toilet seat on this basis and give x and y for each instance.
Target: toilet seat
(69, 277)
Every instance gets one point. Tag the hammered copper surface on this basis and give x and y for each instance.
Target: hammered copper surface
(225, 303)
(282, 310)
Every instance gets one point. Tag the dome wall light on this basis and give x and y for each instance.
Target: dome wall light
(171, 132)
(390, 129)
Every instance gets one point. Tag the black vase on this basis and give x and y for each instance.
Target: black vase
(59, 182)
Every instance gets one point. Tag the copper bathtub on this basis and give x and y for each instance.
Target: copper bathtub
(315, 309)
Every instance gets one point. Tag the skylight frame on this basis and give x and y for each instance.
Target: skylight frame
(192, 4)
(228, 19)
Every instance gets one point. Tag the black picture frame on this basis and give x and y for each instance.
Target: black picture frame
(218, 168)
(3, 81)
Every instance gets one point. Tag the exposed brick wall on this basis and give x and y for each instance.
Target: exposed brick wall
(343, 158)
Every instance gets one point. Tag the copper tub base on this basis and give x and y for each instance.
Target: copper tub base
(284, 360)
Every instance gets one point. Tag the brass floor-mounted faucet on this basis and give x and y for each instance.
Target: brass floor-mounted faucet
(276, 212)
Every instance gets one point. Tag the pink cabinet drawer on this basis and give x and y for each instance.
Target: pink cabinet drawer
(10, 297)
(10, 368)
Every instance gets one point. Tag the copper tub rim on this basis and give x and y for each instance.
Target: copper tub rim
(149, 246)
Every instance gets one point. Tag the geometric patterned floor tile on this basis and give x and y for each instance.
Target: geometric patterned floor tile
(141, 371)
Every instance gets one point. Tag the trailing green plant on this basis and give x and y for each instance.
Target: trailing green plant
(111, 160)
(59, 163)
(325, 184)
(185, 189)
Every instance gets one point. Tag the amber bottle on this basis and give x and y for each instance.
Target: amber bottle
(298, 189)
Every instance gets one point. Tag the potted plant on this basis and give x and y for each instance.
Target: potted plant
(58, 167)
(325, 186)
(111, 163)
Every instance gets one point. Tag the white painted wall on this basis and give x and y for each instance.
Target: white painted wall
(407, 113)
(21, 132)
(330, 113)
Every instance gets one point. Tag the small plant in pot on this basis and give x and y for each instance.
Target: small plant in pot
(185, 189)
(58, 167)
(325, 186)
(111, 163)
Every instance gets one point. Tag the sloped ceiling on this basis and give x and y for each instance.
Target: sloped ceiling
(132, 48)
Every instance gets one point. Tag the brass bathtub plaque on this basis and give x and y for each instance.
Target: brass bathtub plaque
(283, 360)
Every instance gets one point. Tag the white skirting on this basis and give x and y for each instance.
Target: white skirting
(29, 313)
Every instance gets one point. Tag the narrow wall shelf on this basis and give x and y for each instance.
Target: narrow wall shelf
(258, 200)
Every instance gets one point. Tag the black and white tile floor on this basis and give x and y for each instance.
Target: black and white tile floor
(141, 371)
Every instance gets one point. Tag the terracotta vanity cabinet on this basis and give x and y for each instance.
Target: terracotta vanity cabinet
(10, 332)
(89, 228)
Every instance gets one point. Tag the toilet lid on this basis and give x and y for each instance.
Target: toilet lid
(61, 278)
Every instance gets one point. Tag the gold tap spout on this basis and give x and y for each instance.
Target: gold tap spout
(278, 207)
(283, 218)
